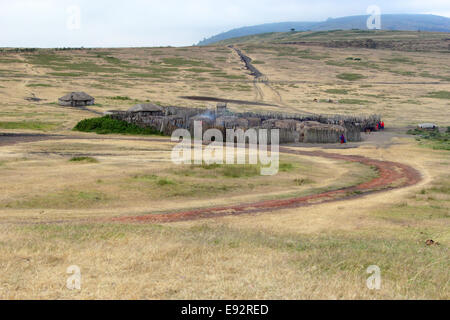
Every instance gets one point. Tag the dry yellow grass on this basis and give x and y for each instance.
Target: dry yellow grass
(137, 177)
(396, 84)
(316, 252)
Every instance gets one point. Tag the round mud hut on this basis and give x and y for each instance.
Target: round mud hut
(147, 109)
(76, 99)
(315, 132)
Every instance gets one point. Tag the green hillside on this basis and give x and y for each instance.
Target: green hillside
(392, 22)
(372, 39)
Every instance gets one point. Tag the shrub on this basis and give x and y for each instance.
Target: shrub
(435, 139)
(337, 91)
(354, 101)
(350, 76)
(285, 167)
(165, 182)
(36, 85)
(303, 181)
(108, 125)
(439, 95)
(84, 159)
(120, 98)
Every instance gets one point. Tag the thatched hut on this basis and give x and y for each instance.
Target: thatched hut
(315, 132)
(269, 124)
(148, 109)
(254, 122)
(76, 99)
(171, 123)
(221, 108)
(287, 124)
(231, 122)
(206, 121)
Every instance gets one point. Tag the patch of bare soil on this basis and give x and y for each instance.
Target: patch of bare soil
(7, 139)
(213, 99)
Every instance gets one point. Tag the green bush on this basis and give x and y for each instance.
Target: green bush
(337, 91)
(285, 167)
(350, 76)
(354, 101)
(433, 138)
(120, 98)
(108, 125)
(439, 95)
(36, 85)
(165, 182)
(84, 159)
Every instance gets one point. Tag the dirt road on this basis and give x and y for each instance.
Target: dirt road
(264, 90)
(391, 175)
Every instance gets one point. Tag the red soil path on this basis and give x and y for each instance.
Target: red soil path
(391, 175)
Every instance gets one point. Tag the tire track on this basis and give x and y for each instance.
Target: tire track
(392, 175)
(261, 83)
(260, 78)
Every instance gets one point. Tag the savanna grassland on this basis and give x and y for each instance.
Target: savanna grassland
(60, 189)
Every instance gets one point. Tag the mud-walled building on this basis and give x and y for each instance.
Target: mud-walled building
(292, 128)
(76, 99)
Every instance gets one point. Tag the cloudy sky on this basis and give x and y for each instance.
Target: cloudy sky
(114, 23)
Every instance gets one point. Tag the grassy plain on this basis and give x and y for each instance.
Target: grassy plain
(57, 196)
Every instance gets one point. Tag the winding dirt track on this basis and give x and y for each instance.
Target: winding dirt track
(391, 175)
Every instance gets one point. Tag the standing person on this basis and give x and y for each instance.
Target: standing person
(343, 139)
(382, 125)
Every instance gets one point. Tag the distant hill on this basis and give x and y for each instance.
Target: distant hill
(403, 22)
(262, 28)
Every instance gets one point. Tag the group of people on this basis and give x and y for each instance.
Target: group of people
(380, 125)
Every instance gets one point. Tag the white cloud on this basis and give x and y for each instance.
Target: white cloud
(42, 23)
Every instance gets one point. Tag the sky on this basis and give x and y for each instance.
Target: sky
(134, 23)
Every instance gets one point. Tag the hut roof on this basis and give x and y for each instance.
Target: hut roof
(77, 96)
(146, 107)
(202, 117)
(326, 127)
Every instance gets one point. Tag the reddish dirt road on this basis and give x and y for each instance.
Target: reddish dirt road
(391, 175)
